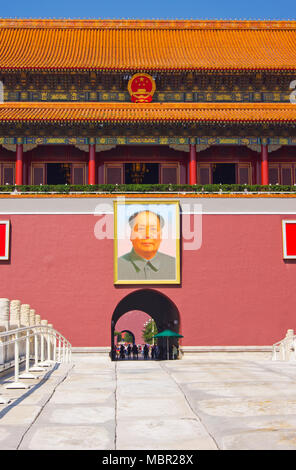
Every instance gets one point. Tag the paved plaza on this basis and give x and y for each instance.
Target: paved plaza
(207, 401)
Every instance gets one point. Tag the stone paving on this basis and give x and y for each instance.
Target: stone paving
(207, 401)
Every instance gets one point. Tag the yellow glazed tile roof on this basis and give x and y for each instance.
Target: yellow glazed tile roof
(146, 45)
(31, 112)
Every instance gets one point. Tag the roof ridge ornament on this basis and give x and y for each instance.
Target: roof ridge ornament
(124, 23)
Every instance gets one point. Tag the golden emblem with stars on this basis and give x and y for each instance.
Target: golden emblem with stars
(141, 87)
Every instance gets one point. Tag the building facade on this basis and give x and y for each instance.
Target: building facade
(130, 102)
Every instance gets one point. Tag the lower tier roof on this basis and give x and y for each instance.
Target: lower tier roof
(33, 112)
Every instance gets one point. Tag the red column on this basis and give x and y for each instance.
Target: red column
(258, 170)
(25, 169)
(253, 172)
(264, 164)
(92, 164)
(19, 164)
(192, 164)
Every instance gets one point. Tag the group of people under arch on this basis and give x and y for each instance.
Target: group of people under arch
(146, 352)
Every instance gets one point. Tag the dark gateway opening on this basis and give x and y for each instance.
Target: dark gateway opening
(141, 173)
(224, 173)
(58, 173)
(160, 308)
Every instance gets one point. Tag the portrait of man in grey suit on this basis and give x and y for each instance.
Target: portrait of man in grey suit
(144, 261)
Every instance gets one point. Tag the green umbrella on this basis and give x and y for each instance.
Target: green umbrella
(168, 334)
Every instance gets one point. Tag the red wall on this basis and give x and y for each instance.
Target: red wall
(236, 289)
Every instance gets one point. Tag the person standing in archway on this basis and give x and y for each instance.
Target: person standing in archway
(146, 351)
(135, 351)
(175, 352)
(153, 351)
(122, 352)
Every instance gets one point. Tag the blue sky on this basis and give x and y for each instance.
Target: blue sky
(197, 9)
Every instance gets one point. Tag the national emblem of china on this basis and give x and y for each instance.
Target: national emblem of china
(141, 87)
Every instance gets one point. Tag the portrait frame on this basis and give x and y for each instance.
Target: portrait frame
(174, 208)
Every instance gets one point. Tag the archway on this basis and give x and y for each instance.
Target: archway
(157, 305)
(131, 333)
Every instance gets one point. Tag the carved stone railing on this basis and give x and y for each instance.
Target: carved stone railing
(285, 350)
(25, 338)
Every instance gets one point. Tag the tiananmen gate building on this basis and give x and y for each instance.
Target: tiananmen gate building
(150, 166)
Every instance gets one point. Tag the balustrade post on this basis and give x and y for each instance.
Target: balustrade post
(4, 313)
(14, 322)
(4, 326)
(4, 321)
(67, 352)
(26, 318)
(32, 323)
(59, 349)
(289, 343)
(64, 350)
(37, 333)
(274, 357)
(293, 352)
(54, 347)
(27, 374)
(44, 328)
(15, 313)
(50, 344)
(282, 351)
(16, 383)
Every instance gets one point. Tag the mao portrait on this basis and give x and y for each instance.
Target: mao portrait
(146, 243)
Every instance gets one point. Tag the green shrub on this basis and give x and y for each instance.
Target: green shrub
(146, 188)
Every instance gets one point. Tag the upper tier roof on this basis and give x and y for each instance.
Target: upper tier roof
(147, 45)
